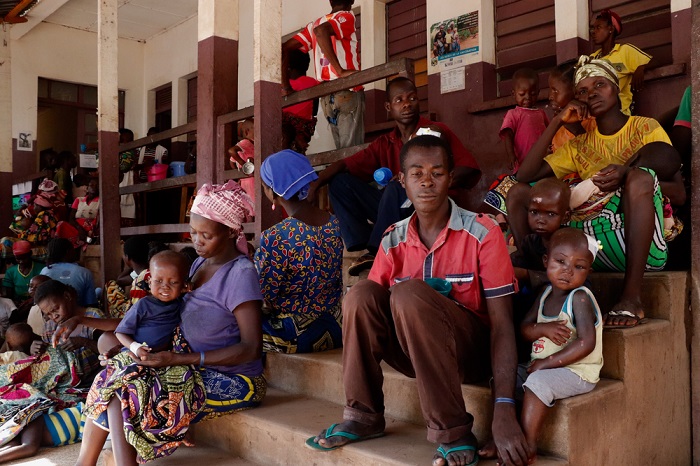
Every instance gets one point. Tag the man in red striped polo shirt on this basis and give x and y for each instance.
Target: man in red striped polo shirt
(333, 41)
(441, 338)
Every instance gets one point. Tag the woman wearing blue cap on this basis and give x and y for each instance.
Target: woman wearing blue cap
(299, 262)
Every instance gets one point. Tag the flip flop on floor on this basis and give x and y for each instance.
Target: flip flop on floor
(444, 453)
(348, 435)
(638, 320)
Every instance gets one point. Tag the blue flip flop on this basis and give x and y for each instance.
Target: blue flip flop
(444, 452)
(348, 435)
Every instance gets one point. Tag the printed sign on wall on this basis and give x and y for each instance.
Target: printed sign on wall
(24, 141)
(452, 40)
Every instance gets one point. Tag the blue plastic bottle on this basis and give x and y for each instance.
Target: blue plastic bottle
(383, 176)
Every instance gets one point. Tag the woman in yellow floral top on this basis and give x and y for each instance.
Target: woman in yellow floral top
(299, 262)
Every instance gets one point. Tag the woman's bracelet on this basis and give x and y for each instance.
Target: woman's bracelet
(505, 400)
(201, 358)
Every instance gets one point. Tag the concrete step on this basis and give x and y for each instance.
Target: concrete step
(274, 434)
(203, 454)
(320, 375)
(621, 346)
(663, 293)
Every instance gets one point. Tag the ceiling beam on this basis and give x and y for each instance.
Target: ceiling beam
(36, 15)
(13, 16)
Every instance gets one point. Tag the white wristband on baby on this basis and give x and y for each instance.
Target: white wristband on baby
(134, 347)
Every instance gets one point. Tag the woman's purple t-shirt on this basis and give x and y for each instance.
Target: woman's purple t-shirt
(208, 322)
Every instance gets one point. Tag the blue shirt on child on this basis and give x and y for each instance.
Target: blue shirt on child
(151, 321)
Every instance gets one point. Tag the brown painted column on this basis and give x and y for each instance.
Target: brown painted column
(695, 219)
(267, 62)
(217, 81)
(5, 132)
(108, 142)
(680, 30)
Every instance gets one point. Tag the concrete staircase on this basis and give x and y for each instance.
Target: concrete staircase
(639, 414)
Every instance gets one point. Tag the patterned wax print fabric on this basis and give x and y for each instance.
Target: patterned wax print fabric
(158, 405)
(37, 230)
(33, 386)
(300, 268)
(86, 356)
(118, 302)
(608, 228)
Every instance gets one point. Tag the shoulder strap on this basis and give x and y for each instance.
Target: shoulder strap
(568, 305)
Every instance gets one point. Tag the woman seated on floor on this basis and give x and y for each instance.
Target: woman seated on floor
(300, 263)
(219, 335)
(626, 162)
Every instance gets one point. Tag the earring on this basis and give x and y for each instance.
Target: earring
(273, 206)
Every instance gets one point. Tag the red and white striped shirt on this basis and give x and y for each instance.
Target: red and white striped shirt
(344, 44)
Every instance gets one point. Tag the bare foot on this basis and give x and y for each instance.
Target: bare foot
(626, 313)
(351, 427)
(188, 440)
(459, 457)
(488, 452)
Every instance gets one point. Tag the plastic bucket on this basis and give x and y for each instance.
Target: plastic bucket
(178, 168)
(157, 172)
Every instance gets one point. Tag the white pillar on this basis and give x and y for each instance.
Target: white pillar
(107, 76)
(267, 41)
(267, 77)
(217, 18)
(677, 5)
(373, 45)
(571, 19)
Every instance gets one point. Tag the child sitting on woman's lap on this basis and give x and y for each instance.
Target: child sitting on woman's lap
(149, 324)
(566, 328)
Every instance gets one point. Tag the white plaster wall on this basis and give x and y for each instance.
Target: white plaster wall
(167, 58)
(67, 54)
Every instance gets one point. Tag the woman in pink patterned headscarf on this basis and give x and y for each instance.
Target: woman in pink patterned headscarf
(220, 333)
(226, 204)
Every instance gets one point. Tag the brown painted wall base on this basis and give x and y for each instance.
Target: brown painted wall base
(110, 211)
(217, 94)
(681, 34)
(572, 49)
(23, 162)
(268, 140)
(374, 108)
(6, 203)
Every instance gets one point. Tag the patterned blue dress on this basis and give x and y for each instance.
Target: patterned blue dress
(300, 268)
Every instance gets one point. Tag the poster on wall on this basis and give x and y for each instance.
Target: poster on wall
(452, 41)
(24, 141)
